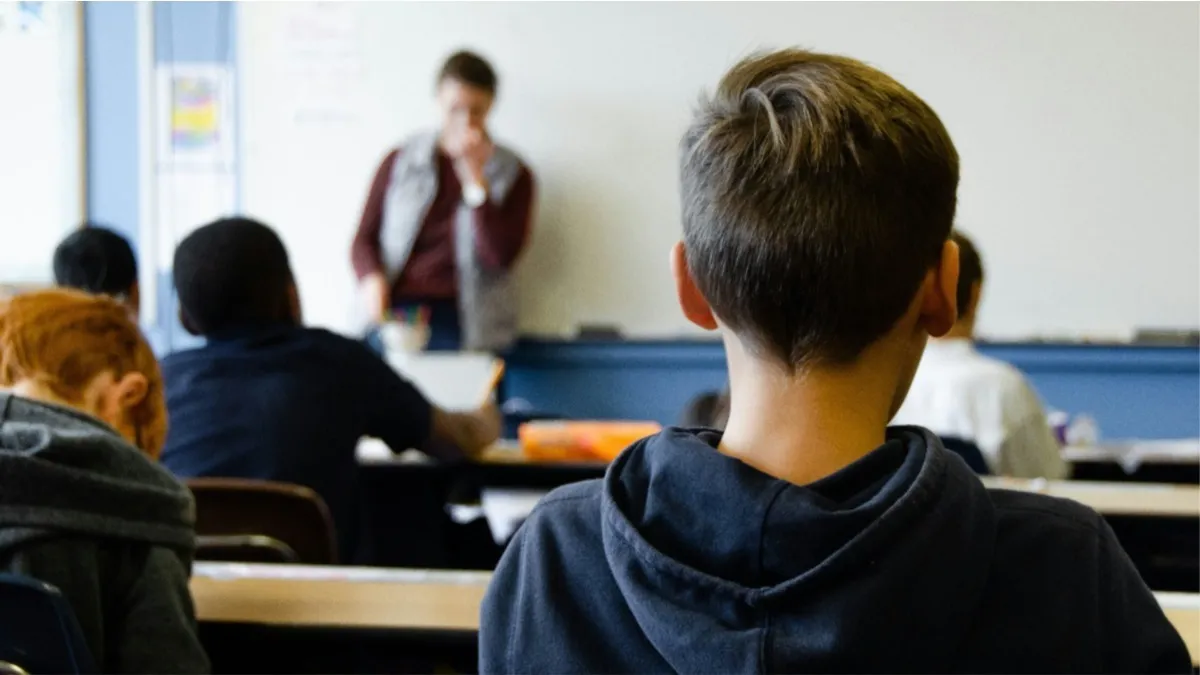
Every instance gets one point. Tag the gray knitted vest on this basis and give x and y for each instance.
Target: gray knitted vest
(487, 303)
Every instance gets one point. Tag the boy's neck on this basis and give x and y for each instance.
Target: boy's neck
(805, 426)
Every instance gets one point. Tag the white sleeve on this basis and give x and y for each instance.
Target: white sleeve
(1029, 449)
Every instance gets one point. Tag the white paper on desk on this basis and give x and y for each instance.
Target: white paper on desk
(506, 509)
(452, 381)
(375, 451)
(1130, 455)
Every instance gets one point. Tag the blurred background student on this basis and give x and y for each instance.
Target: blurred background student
(708, 410)
(83, 504)
(961, 394)
(98, 260)
(445, 219)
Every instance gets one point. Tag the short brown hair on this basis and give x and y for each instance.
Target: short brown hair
(970, 272)
(817, 191)
(63, 339)
(469, 68)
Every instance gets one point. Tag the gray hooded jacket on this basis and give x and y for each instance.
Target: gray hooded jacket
(85, 511)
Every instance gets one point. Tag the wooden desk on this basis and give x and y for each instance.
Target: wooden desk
(338, 597)
(1183, 610)
(1115, 499)
(505, 463)
(1158, 461)
(415, 600)
(1137, 452)
(372, 451)
(1155, 523)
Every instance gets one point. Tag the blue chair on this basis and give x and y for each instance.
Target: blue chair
(969, 452)
(38, 630)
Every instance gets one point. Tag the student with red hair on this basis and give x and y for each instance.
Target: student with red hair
(84, 506)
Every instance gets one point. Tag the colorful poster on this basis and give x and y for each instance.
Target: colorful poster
(195, 104)
(195, 125)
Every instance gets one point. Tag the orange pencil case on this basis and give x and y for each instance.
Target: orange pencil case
(575, 441)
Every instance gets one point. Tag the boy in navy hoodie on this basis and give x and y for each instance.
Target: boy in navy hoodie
(818, 196)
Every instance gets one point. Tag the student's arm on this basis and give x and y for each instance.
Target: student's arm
(403, 418)
(365, 251)
(157, 631)
(1136, 635)
(1029, 449)
(501, 229)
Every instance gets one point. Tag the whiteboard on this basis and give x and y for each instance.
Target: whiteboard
(41, 136)
(1077, 126)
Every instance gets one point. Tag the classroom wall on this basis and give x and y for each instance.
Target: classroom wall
(41, 137)
(1075, 125)
(1133, 391)
(182, 33)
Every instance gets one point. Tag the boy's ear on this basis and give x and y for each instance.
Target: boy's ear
(187, 323)
(135, 298)
(691, 300)
(295, 311)
(939, 304)
(131, 390)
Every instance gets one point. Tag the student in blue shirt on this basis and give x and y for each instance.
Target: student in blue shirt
(818, 195)
(267, 398)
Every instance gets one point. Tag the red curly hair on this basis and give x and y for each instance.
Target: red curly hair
(64, 339)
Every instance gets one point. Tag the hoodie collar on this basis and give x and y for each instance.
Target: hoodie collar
(768, 530)
(692, 534)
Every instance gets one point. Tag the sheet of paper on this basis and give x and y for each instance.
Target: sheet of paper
(452, 381)
(1132, 454)
(375, 451)
(505, 509)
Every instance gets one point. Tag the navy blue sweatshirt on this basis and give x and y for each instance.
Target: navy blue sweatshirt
(683, 559)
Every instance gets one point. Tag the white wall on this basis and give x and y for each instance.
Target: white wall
(41, 145)
(1078, 125)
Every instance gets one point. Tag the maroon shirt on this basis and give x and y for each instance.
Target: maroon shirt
(430, 273)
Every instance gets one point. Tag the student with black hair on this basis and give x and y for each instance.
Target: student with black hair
(818, 195)
(960, 393)
(268, 398)
(100, 261)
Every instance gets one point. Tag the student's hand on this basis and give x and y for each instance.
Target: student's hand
(376, 296)
(471, 432)
(481, 428)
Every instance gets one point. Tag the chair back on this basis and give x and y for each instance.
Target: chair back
(969, 452)
(261, 521)
(38, 630)
(255, 548)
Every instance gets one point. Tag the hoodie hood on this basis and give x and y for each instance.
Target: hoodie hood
(62, 471)
(706, 549)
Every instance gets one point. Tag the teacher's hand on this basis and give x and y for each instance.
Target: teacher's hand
(474, 151)
(376, 296)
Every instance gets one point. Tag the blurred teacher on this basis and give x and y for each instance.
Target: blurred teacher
(447, 215)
